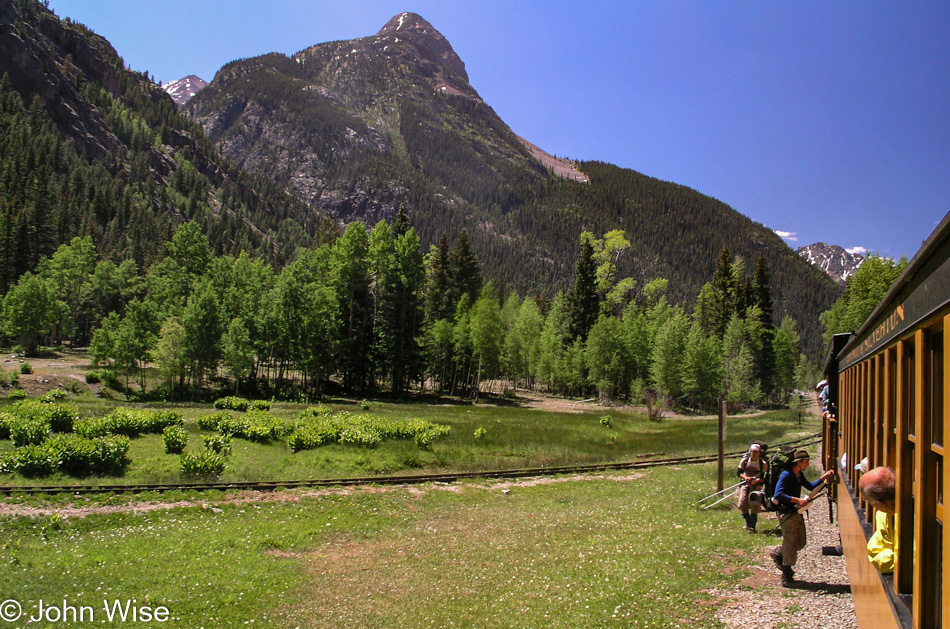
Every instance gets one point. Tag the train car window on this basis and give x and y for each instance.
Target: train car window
(890, 413)
(879, 417)
(910, 373)
(936, 401)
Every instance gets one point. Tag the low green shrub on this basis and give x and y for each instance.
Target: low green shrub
(213, 420)
(16, 394)
(480, 432)
(232, 403)
(425, 437)
(260, 405)
(317, 427)
(175, 439)
(128, 422)
(312, 436)
(60, 417)
(219, 444)
(6, 418)
(26, 431)
(53, 395)
(93, 427)
(256, 426)
(606, 420)
(93, 376)
(80, 457)
(26, 368)
(34, 460)
(202, 464)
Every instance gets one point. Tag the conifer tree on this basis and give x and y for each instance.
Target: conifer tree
(724, 292)
(762, 297)
(464, 276)
(583, 300)
(441, 299)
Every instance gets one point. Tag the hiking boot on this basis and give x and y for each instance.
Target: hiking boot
(788, 576)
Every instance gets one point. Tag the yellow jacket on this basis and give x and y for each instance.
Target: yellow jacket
(882, 547)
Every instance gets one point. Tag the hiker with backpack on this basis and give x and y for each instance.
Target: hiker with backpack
(788, 492)
(752, 470)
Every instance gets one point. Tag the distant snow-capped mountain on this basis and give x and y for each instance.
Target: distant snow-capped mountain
(182, 90)
(833, 260)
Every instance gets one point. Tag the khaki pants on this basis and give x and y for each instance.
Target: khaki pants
(793, 537)
(745, 506)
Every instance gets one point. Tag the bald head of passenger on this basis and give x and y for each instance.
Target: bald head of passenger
(878, 486)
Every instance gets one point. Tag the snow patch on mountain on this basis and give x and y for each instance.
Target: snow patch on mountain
(836, 261)
(184, 89)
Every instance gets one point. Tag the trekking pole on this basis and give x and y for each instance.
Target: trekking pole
(719, 492)
(726, 497)
(814, 494)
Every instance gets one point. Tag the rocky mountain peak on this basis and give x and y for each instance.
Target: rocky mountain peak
(184, 89)
(430, 42)
(834, 260)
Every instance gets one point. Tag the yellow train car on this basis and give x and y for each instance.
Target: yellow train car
(888, 388)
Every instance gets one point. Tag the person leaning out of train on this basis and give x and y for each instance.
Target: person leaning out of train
(878, 488)
(788, 491)
(751, 471)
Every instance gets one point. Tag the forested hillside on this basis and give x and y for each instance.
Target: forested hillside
(88, 147)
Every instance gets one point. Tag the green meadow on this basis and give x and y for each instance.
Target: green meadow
(480, 437)
(623, 549)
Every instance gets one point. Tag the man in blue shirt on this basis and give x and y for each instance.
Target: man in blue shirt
(788, 492)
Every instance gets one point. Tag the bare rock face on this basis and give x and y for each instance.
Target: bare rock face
(838, 263)
(430, 42)
(47, 60)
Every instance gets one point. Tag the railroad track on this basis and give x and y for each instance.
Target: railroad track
(411, 479)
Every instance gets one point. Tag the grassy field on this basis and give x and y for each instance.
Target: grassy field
(513, 435)
(615, 550)
(624, 550)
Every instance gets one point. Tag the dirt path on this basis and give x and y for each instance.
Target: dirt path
(78, 510)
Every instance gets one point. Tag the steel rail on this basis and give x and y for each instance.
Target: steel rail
(410, 479)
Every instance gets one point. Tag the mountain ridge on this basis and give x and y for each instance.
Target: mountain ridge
(834, 260)
(360, 128)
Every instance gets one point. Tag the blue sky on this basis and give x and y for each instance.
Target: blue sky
(825, 121)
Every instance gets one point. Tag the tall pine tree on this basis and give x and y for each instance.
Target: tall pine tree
(583, 299)
(762, 297)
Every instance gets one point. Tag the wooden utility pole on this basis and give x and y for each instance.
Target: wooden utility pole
(722, 444)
